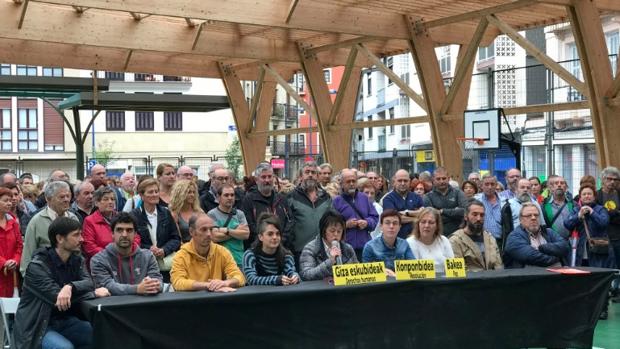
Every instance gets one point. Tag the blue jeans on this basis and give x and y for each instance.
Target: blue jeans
(68, 333)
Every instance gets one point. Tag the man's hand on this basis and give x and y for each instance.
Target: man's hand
(63, 300)
(362, 224)
(102, 292)
(389, 272)
(216, 285)
(148, 286)
(10, 264)
(352, 223)
(226, 289)
(157, 252)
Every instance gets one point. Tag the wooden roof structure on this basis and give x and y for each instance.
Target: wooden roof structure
(268, 40)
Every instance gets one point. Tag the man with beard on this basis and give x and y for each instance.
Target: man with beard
(449, 201)
(232, 227)
(263, 198)
(510, 211)
(558, 206)
(124, 268)
(531, 244)
(474, 244)
(406, 202)
(308, 203)
(209, 201)
(513, 176)
(359, 213)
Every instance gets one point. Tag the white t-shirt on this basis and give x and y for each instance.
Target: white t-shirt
(152, 217)
(438, 251)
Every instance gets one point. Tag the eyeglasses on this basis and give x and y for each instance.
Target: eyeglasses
(222, 178)
(612, 179)
(531, 215)
(391, 222)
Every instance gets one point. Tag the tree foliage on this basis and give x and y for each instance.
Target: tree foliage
(233, 157)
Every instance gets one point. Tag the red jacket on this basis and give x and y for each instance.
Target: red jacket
(11, 245)
(97, 234)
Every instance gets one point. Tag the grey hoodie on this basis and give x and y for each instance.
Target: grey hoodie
(121, 275)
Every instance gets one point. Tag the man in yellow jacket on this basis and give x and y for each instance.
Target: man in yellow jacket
(203, 265)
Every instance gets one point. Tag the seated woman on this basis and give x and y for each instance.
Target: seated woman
(320, 254)
(267, 262)
(184, 205)
(427, 240)
(388, 247)
(96, 230)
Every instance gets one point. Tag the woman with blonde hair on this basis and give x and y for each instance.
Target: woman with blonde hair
(184, 205)
(427, 240)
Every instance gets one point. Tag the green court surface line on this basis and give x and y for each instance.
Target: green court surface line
(607, 332)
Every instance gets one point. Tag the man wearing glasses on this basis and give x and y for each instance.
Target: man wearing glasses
(512, 178)
(531, 244)
(609, 198)
(202, 265)
(209, 200)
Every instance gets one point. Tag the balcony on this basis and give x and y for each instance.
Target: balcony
(294, 148)
(144, 77)
(285, 112)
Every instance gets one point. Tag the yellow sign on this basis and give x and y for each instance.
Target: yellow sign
(424, 156)
(360, 273)
(415, 269)
(455, 267)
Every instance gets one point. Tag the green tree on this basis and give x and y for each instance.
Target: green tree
(104, 154)
(233, 157)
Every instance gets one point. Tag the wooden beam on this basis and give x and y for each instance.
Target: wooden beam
(197, 35)
(129, 54)
(103, 29)
(538, 54)
(464, 68)
(285, 131)
(419, 100)
(289, 89)
(472, 15)
(615, 87)
(315, 16)
(291, 10)
(136, 16)
(256, 98)
(189, 22)
(343, 44)
(344, 84)
(379, 123)
(23, 14)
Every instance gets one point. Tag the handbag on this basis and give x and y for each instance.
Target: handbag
(165, 263)
(597, 245)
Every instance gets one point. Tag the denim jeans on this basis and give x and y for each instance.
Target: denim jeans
(68, 333)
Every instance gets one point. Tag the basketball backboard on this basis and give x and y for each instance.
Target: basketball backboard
(483, 124)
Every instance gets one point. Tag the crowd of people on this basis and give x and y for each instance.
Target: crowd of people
(61, 242)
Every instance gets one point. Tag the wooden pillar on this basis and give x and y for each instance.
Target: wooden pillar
(336, 143)
(597, 73)
(252, 145)
(443, 132)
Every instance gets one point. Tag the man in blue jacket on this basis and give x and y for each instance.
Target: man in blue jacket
(404, 201)
(530, 244)
(359, 213)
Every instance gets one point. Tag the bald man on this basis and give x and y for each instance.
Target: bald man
(404, 201)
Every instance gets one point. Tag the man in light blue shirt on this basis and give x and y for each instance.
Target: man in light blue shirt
(388, 247)
(492, 206)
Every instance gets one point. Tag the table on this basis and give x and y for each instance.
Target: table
(495, 309)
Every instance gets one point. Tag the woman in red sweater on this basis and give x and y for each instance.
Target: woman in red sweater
(11, 245)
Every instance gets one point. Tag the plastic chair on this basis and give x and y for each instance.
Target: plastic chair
(8, 306)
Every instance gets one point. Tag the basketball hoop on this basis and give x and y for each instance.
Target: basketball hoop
(469, 146)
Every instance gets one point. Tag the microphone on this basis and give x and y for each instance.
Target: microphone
(336, 244)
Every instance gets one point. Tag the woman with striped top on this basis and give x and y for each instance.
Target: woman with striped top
(267, 262)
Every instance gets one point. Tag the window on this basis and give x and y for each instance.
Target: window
(300, 82)
(613, 43)
(404, 106)
(52, 71)
(486, 52)
(5, 130)
(327, 74)
(173, 121)
(370, 128)
(144, 121)
(27, 70)
(574, 66)
(368, 84)
(172, 78)
(405, 132)
(5, 69)
(391, 112)
(143, 77)
(445, 63)
(114, 76)
(389, 62)
(115, 120)
(27, 135)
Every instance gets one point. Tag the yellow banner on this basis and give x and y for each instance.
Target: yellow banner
(360, 273)
(424, 156)
(455, 267)
(415, 269)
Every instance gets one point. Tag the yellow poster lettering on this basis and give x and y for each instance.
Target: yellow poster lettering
(455, 267)
(415, 269)
(360, 273)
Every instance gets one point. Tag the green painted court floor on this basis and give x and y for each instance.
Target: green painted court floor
(607, 332)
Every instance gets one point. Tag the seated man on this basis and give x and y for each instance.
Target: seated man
(388, 247)
(530, 244)
(123, 267)
(56, 279)
(203, 265)
(474, 244)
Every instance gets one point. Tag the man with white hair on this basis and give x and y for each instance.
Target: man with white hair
(359, 213)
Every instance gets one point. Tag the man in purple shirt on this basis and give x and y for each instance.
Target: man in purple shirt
(359, 213)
